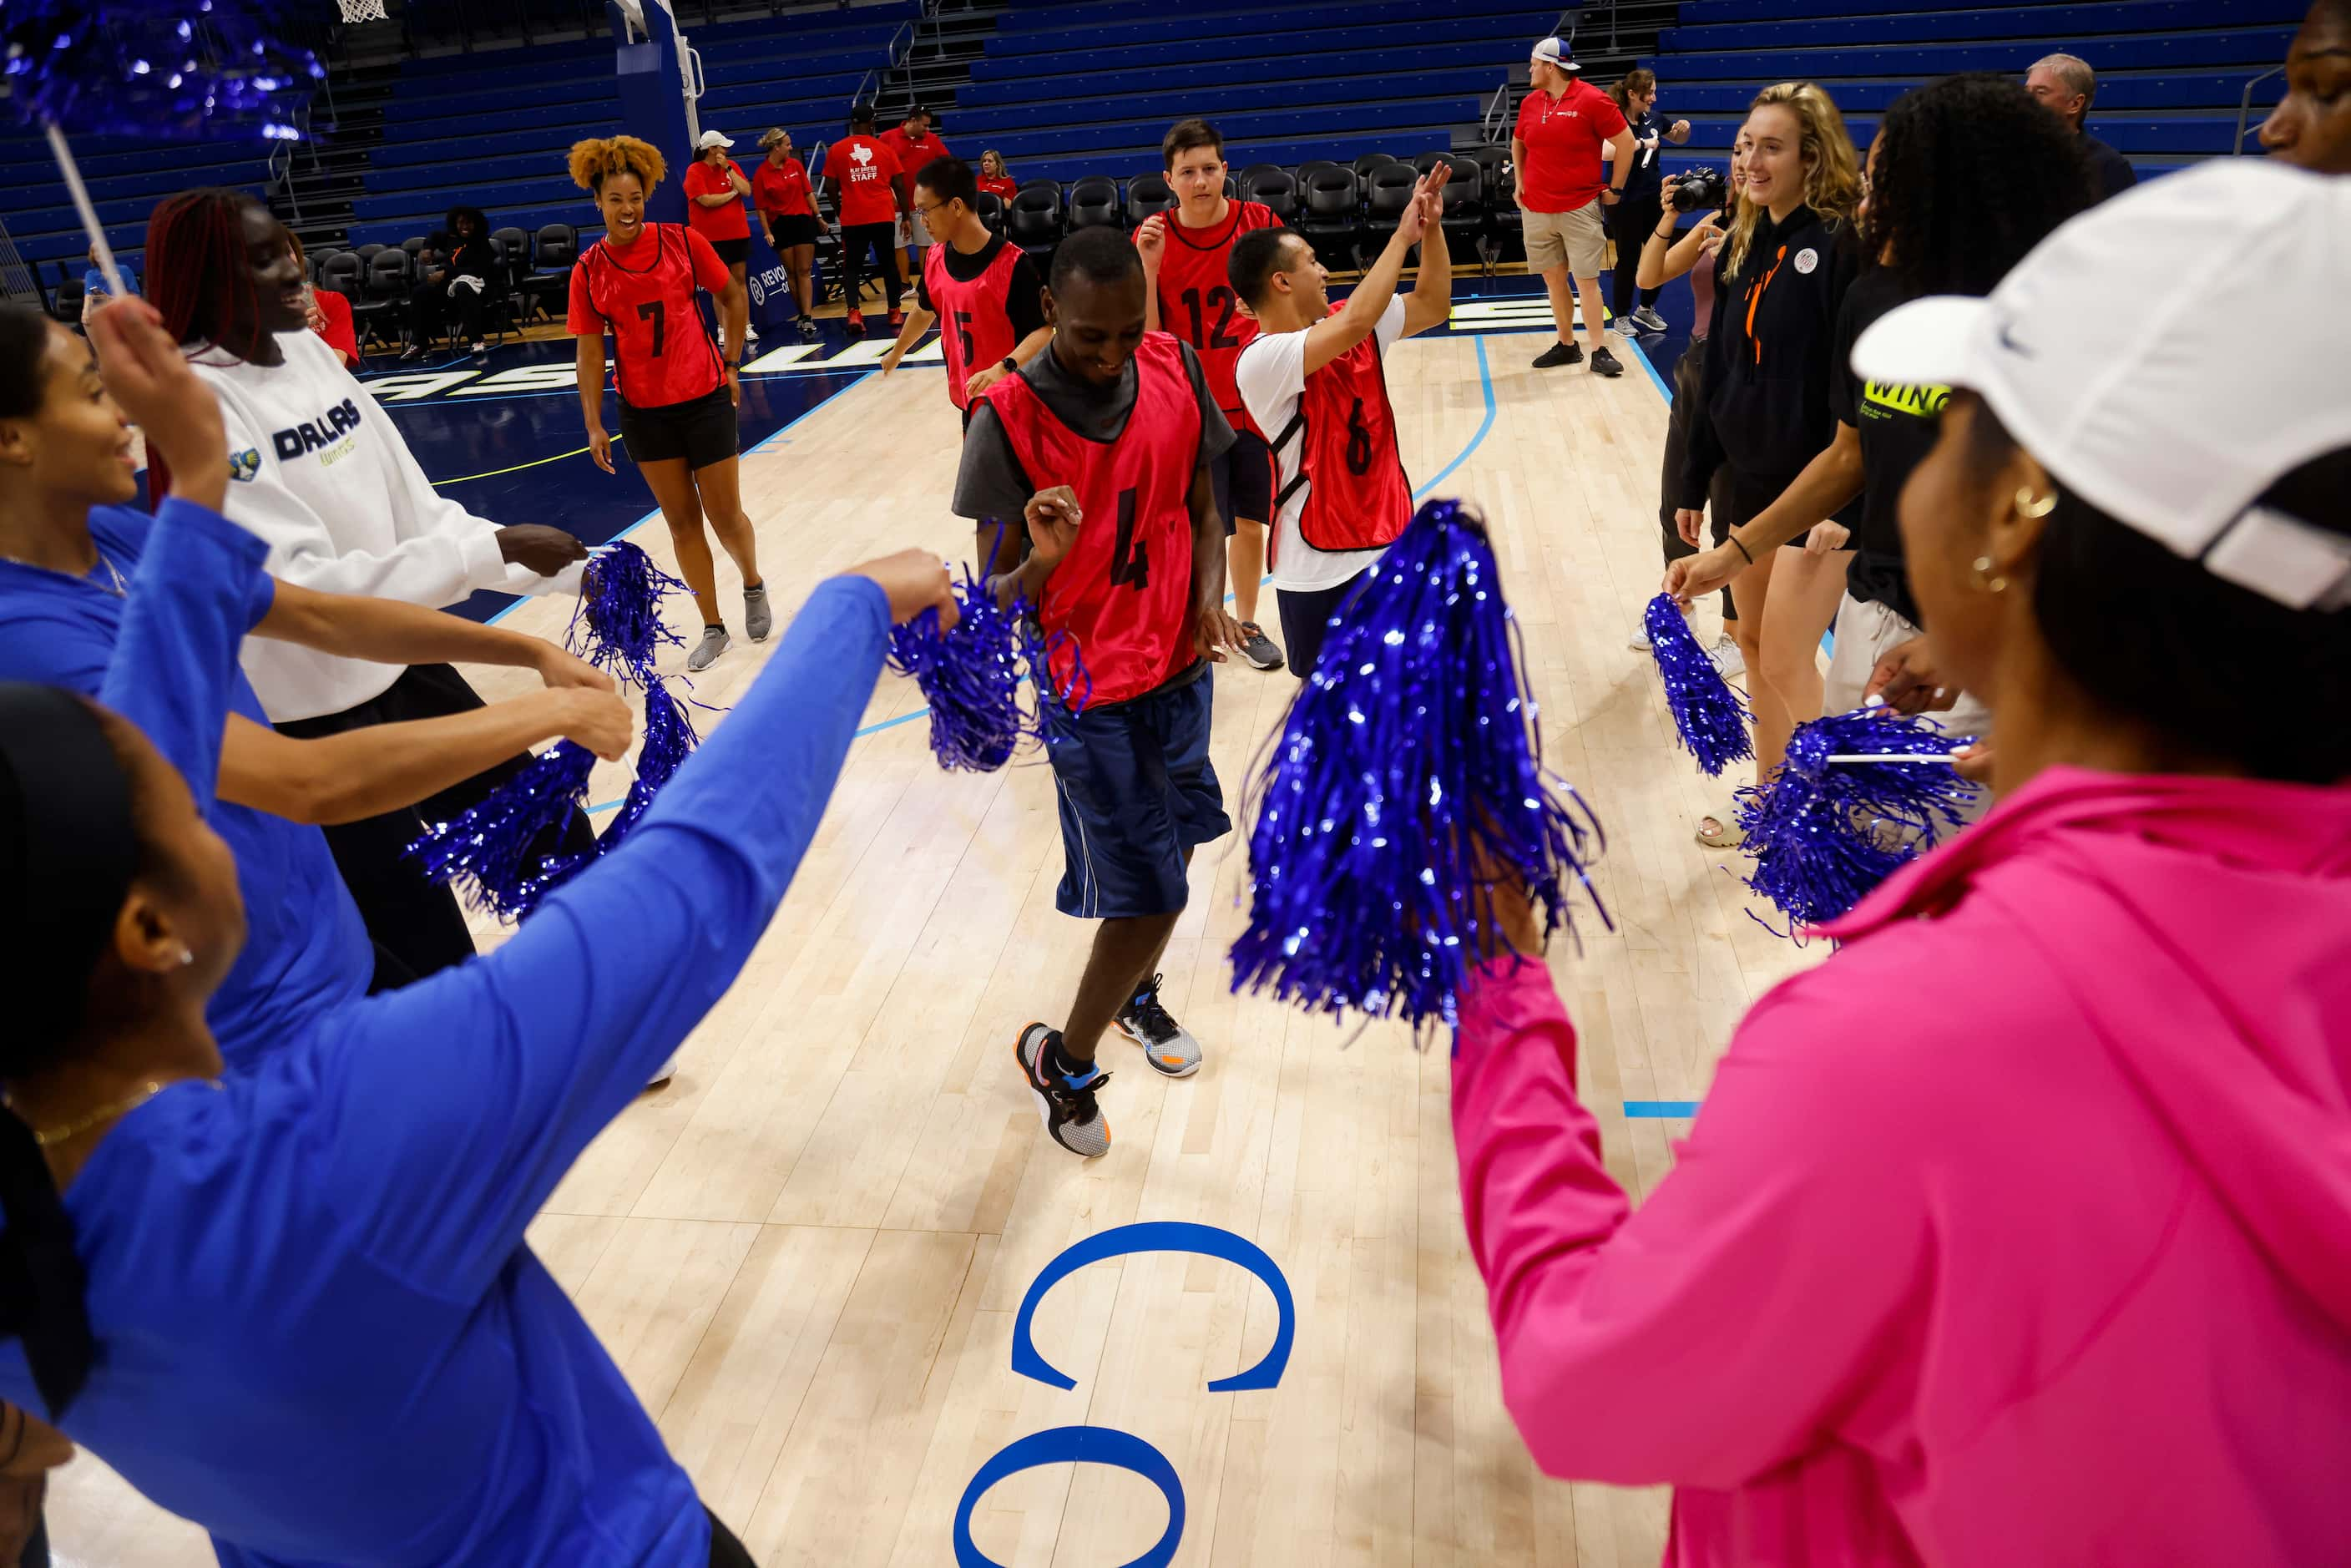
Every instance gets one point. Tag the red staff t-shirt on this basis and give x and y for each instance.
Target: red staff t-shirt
(912, 156)
(866, 170)
(661, 353)
(782, 190)
(1563, 136)
(1000, 185)
(728, 222)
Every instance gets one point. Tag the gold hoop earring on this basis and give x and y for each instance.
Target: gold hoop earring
(2028, 505)
(1982, 565)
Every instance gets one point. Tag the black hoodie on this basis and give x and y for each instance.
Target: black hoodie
(1763, 405)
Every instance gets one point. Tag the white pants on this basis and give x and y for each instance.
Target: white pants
(1865, 631)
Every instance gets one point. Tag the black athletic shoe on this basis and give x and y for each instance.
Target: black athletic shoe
(1560, 354)
(1604, 363)
(1071, 1118)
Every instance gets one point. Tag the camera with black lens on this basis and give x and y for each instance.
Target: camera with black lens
(1701, 189)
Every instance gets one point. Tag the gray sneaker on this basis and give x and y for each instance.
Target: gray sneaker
(714, 642)
(1649, 320)
(1258, 648)
(757, 618)
(1167, 1045)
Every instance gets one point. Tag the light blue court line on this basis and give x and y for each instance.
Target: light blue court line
(1661, 1110)
(1641, 358)
(1486, 386)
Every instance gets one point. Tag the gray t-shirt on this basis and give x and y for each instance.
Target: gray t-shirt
(991, 485)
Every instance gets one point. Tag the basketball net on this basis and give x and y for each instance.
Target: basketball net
(361, 10)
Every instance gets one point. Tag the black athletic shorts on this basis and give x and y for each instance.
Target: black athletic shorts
(791, 229)
(700, 430)
(734, 252)
(1243, 477)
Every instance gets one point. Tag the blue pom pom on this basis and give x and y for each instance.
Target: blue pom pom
(669, 737)
(1409, 772)
(1823, 833)
(618, 626)
(184, 69)
(1711, 718)
(487, 848)
(969, 676)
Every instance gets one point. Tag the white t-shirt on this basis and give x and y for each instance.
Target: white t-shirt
(1271, 375)
(319, 471)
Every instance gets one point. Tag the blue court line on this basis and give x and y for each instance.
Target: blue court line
(1486, 386)
(1641, 356)
(1661, 1110)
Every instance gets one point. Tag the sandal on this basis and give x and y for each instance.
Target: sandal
(1718, 829)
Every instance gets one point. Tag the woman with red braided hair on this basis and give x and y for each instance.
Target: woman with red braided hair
(677, 395)
(322, 474)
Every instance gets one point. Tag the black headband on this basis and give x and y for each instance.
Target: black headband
(67, 852)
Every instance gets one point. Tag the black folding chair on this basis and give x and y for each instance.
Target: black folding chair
(1146, 196)
(1095, 204)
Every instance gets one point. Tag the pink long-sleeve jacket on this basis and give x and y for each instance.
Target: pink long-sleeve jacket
(2018, 1232)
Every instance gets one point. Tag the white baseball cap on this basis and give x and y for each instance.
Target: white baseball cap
(2104, 356)
(1554, 52)
(712, 139)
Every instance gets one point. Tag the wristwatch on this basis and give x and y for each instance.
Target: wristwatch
(1011, 365)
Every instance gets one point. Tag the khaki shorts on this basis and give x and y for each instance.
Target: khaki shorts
(1579, 238)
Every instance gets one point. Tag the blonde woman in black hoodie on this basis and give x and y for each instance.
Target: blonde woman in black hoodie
(1763, 410)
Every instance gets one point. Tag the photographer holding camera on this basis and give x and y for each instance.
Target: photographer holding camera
(1630, 220)
(1662, 259)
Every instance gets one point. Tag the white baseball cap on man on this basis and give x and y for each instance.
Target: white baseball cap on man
(2103, 357)
(1554, 52)
(712, 139)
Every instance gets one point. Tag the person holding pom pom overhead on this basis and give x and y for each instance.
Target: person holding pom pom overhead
(1101, 445)
(2069, 1281)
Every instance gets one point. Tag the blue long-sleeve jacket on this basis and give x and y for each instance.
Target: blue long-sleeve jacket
(320, 1334)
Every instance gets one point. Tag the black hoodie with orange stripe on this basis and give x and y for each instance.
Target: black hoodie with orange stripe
(1764, 401)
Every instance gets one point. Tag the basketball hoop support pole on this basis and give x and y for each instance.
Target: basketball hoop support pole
(654, 103)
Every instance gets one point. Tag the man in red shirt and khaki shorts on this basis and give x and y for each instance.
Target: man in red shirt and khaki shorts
(1563, 186)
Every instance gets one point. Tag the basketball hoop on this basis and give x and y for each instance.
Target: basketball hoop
(361, 10)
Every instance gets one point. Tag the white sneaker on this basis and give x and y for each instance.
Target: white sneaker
(750, 333)
(1727, 657)
(668, 1070)
(1640, 642)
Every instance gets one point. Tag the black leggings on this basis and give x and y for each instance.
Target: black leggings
(1687, 373)
(431, 307)
(881, 239)
(417, 922)
(1631, 222)
(726, 1552)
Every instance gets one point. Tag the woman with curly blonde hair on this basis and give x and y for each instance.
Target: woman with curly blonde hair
(1763, 410)
(677, 392)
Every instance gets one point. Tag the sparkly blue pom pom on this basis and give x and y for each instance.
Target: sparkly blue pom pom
(181, 69)
(617, 625)
(1711, 718)
(486, 848)
(1409, 773)
(1823, 832)
(669, 737)
(970, 676)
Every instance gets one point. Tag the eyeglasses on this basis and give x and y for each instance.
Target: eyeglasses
(925, 213)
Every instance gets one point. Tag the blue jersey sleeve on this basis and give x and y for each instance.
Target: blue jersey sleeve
(450, 1109)
(191, 601)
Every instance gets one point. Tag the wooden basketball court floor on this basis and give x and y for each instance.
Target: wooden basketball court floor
(808, 1252)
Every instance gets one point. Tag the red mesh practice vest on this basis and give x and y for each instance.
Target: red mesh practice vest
(661, 354)
(1360, 498)
(974, 329)
(1121, 598)
(1196, 301)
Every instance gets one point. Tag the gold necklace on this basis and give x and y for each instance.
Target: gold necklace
(117, 589)
(47, 1137)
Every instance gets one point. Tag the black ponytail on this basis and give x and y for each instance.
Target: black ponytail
(24, 342)
(69, 850)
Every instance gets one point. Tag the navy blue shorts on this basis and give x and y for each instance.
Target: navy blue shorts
(1136, 792)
